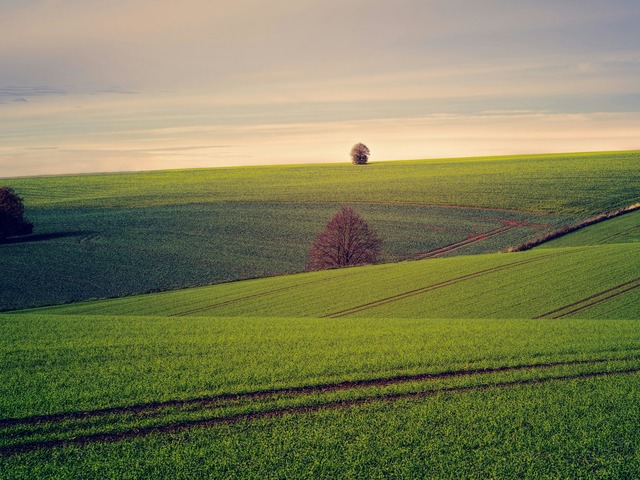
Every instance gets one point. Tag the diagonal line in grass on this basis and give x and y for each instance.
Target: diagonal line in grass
(436, 286)
(305, 409)
(301, 390)
(623, 233)
(471, 240)
(592, 300)
(254, 295)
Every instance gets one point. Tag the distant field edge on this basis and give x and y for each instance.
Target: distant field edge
(506, 157)
(572, 228)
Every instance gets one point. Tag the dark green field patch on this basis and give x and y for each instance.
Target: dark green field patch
(83, 253)
(528, 284)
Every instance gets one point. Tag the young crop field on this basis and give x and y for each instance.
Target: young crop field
(107, 385)
(622, 229)
(491, 365)
(583, 427)
(103, 236)
(579, 184)
(81, 253)
(533, 284)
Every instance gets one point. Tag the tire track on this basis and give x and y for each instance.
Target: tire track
(154, 407)
(254, 295)
(618, 235)
(436, 286)
(592, 300)
(87, 439)
(241, 299)
(506, 226)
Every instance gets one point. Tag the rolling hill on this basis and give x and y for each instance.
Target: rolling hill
(101, 236)
(518, 365)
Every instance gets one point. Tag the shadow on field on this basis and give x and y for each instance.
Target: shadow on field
(42, 237)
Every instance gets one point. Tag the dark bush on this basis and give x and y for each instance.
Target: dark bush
(12, 222)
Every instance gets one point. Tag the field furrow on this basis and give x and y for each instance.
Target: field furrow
(245, 298)
(109, 425)
(472, 239)
(595, 299)
(429, 288)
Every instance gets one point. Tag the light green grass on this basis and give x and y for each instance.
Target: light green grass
(569, 429)
(61, 363)
(561, 183)
(553, 419)
(573, 419)
(575, 429)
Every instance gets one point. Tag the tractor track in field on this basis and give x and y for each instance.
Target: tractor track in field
(157, 407)
(252, 296)
(592, 300)
(507, 225)
(618, 235)
(436, 286)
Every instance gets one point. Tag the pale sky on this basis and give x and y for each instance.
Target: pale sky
(88, 85)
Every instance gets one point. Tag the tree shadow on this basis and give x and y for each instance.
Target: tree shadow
(42, 237)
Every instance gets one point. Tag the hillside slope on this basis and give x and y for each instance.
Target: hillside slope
(100, 236)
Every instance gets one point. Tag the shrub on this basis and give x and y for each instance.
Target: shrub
(12, 222)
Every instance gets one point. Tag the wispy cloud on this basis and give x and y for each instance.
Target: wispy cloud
(126, 83)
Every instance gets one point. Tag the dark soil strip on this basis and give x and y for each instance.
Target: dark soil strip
(471, 240)
(148, 408)
(436, 286)
(592, 300)
(182, 426)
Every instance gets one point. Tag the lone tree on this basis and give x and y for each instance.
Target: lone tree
(347, 240)
(360, 154)
(12, 222)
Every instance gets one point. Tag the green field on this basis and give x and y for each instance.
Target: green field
(101, 253)
(579, 183)
(494, 365)
(102, 236)
(515, 285)
(622, 229)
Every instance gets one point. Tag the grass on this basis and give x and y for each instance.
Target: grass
(101, 236)
(515, 285)
(589, 183)
(496, 371)
(96, 253)
(55, 364)
(575, 429)
(446, 368)
(622, 229)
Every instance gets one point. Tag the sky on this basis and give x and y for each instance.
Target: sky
(88, 86)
